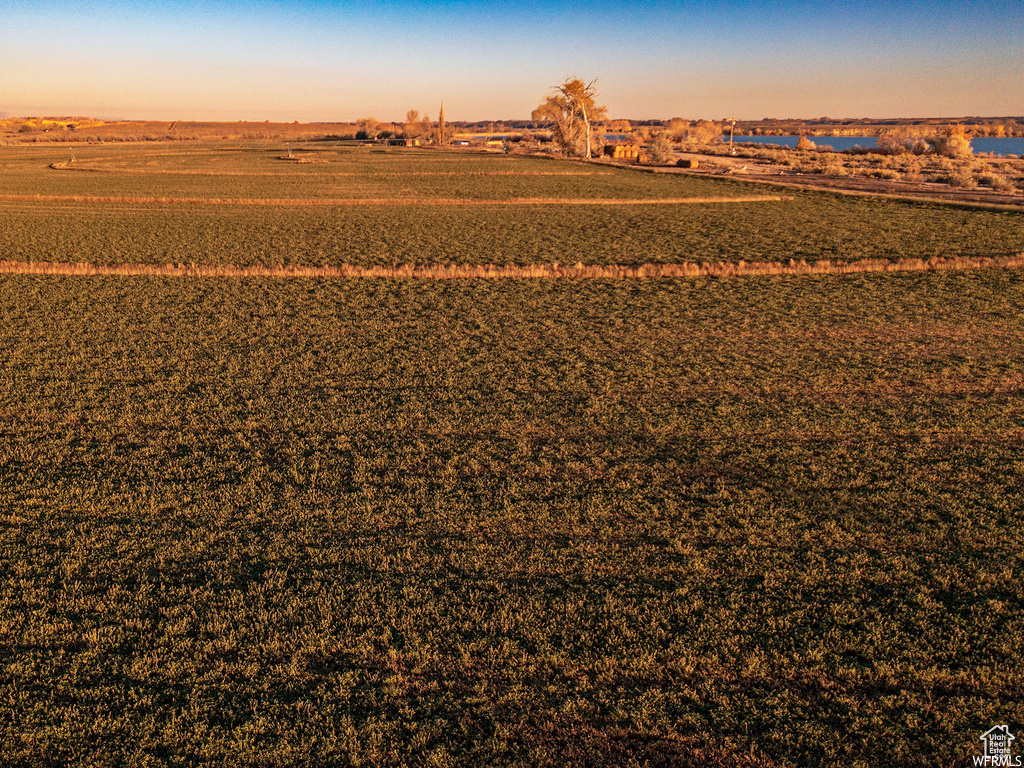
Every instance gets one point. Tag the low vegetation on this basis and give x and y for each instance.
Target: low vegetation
(733, 522)
(634, 519)
(996, 127)
(1002, 175)
(385, 207)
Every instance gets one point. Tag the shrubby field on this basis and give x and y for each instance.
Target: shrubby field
(748, 521)
(402, 228)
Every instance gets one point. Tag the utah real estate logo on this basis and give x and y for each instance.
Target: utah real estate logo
(997, 748)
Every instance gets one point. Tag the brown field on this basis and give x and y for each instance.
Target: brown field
(86, 129)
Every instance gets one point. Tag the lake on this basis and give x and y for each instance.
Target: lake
(839, 143)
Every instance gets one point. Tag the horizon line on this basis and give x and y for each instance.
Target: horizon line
(6, 117)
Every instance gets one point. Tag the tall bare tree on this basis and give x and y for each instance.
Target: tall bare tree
(570, 111)
(442, 128)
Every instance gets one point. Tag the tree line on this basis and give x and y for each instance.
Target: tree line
(577, 125)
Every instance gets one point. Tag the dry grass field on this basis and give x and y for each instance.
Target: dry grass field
(79, 130)
(368, 207)
(258, 510)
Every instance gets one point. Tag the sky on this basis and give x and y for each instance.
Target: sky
(333, 61)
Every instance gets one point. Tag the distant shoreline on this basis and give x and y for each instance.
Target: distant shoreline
(64, 129)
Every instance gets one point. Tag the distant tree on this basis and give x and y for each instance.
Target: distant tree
(442, 128)
(427, 128)
(704, 132)
(676, 128)
(952, 141)
(640, 135)
(413, 128)
(901, 141)
(439, 133)
(804, 144)
(367, 128)
(661, 148)
(570, 111)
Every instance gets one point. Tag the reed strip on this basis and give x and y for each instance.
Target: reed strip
(492, 271)
(396, 201)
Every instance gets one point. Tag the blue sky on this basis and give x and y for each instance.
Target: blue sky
(338, 61)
